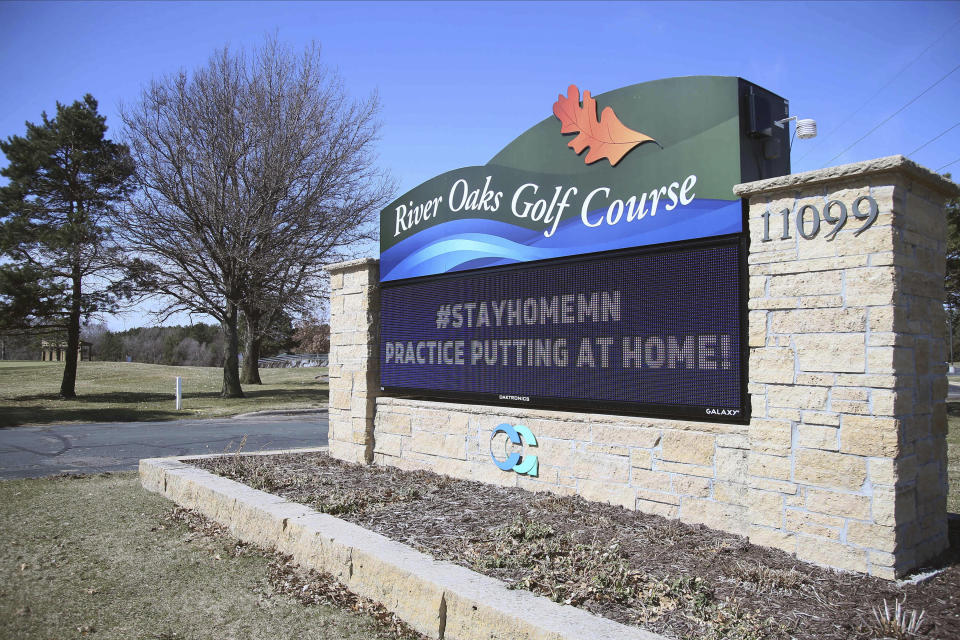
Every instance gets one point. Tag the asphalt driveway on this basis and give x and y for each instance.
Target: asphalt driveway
(30, 452)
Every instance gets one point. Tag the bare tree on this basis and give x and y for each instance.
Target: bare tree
(313, 335)
(291, 284)
(252, 172)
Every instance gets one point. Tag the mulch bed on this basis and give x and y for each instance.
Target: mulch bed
(684, 581)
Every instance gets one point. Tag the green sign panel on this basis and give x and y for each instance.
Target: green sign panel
(646, 164)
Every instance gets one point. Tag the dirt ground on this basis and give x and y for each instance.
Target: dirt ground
(684, 581)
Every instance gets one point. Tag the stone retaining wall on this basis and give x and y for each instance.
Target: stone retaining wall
(844, 459)
(438, 599)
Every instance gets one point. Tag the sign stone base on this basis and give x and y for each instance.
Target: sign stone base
(844, 459)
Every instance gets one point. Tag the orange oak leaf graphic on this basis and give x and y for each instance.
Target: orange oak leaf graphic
(607, 137)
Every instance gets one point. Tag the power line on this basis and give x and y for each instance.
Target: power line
(937, 137)
(947, 165)
(891, 116)
(887, 84)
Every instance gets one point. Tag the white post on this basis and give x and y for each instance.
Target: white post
(951, 369)
(178, 393)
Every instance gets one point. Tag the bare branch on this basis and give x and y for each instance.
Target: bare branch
(253, 172)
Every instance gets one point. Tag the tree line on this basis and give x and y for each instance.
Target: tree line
(195, 345)
(232, 186)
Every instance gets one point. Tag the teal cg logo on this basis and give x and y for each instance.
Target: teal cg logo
(518, 434)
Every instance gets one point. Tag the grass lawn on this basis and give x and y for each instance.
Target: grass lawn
(129, 391)
(953, 456)
(95, 557)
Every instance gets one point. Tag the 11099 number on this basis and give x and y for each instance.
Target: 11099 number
(834, 213)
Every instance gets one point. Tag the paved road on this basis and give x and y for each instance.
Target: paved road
(953, 391)
(29, 452)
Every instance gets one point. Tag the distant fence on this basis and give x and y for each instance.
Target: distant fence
(294, 360)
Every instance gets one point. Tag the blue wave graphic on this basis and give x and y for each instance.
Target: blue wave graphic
(469, 243)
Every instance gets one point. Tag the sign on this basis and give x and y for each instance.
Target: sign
(663, 157)
(595, 262)
(836, 220)
(519, 435)
(649, 331)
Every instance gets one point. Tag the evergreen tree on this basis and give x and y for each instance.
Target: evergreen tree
(56, 253)
(110, 348)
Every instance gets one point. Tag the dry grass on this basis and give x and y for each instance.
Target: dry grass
(953, 456)
(897, 623)
(130, 391)
(99, 557)
(764, 579)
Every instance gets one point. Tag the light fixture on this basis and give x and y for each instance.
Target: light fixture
(806, 128)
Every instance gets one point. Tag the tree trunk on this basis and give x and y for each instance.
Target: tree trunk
(231, 345)
(251, 362)
(69, 382)
(251, 350)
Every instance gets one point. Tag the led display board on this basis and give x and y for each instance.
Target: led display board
(653, 331)
(609, 194)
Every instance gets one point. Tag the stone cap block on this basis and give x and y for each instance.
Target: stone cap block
(350, 265)
(866, 168)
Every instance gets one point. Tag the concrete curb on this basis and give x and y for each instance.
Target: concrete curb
(280, 412)
(439, 599)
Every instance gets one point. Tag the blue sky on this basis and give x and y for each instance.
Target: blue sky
(458, 81)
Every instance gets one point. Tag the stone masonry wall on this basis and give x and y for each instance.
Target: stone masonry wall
(354, 362)
(692, 470)
(847, 378)
(844, 460)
